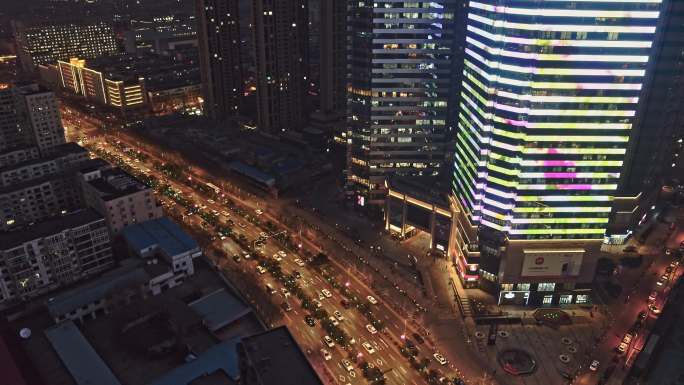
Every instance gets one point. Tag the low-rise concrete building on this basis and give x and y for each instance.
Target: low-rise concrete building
(167, 250)
(120, 197)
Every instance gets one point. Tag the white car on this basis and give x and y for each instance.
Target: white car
(328, 341)
(326, 293)
(440, 358)
(594, 365)
(263, 235)
(277, 257)
(334, 320)
(286, 293)
(225, 213)
(372, 300)
(326, 354)
(261, 269)
(282, 254)
(258, 212)
(316, 303)
(371, 329)
(321, 297)
(347, 365)
(369, 348)
(338, 315)
(299, 262)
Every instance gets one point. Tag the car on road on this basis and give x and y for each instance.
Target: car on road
(310, 320)
(338, 315)
(347, 365)
(237, 258)
(622, 347)
(326, 293)
(329, 341)
(662, 281)
(418, 338)
(260, 269)
(225, 213)
(297, 274)
(369, 348)
(211, 201)
(282, 254)
(440, 358)
(371, 329)
(286, 306)
(299, 262)
(263, 234)
(333, 320)
(654, 309)
(277, 257)
(258, 212)
(321, 297)
(642, 315)
(326, 354)
(653, 296)
(594, 365)
(286, 293)
(270, 289)
(316, 303)
(242, 225)
(372, 300)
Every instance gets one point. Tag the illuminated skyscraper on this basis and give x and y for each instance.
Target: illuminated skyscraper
(399, 85)
(219, 46)
(549, 95)
(281, 42)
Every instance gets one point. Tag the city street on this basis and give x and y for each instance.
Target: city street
(386, 344)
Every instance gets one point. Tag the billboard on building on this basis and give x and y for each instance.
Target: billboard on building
(552, 263)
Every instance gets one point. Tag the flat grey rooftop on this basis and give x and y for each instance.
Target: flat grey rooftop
(79, 357)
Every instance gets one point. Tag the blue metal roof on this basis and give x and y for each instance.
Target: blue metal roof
(162, 233)
(219, 309)
(79, 357)
(252, 172)
(222, 356)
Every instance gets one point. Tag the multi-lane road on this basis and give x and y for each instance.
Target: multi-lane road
(384, 352)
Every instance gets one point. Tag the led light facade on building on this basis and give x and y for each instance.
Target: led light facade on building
(549, 95)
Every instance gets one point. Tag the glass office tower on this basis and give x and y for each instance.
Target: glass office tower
(399, 82)
(549, 95)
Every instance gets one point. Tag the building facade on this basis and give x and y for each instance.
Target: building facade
(29, 117)
(281, 44)
(46, 43)
(550, 92)
(333, 56)
(220, 61)
(39, 110)
(51, 254)
(121, 198)
(400, 60)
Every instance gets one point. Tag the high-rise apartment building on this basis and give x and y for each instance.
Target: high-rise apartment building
(29, 117)
(550, 93)
(281, 43)
(333, 56)
(38, 108)
(52, 254)
(400, 80)
(12, 133)
(219, 45)
(45, 43)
